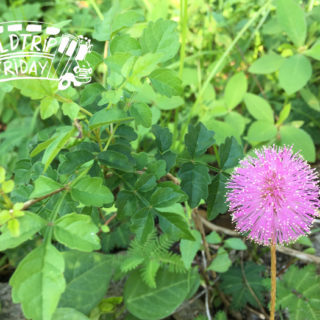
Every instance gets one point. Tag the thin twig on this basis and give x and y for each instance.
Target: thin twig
(288, 251)
(31, 202)
(250, 289)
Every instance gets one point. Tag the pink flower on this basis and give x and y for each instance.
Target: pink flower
(273, 197)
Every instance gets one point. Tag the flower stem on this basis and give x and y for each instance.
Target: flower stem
(273, 280)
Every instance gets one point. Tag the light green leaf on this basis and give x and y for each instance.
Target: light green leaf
(292, 20)
(260, 131)
(48, 107)
(2, 174)
(68, 314)
(235, 243)
(189, 248)
(300, 140)
(166, 82)
(56, 145)
(258, 107)
(104, 117)
(314, 52)
(91, 192)
(70, 109)
(310, 99)
(7, 186)
(268, 63)
(161, 37)
(284, 114)
(294, 73)
(38, 282)
(221, 263)
(235, 90)
(30, 224)
(162, 301)
(77, 231)
(142, 114)
(87, 276)
(43, 186)
(213, 238)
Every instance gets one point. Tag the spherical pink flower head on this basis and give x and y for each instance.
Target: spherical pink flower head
(273, 196)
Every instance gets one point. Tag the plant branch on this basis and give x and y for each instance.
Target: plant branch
(273, 280)
(31, 202)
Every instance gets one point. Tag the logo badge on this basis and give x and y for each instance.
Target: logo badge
(35, 50)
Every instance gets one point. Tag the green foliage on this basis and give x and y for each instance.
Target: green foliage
(298, 292)
(236, 281)
(151, 255)
(123, 165)
(171, 290)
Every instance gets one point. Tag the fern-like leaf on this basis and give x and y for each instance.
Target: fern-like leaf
(149, 271)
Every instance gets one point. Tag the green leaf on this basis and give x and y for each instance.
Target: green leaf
(30, 224)
(163, 137)
(213, 238)
(126, 19)
(125, 44)
(314, 52)
(230, 153)
(146, 182)
(284, 114)
(161, 37)
(235, 90)
(74, 160)
(68, 314)
(56, 145)
(221, 316)
(70, 109)
(7, 186)
(221, 263)
(310, 99)
(13, 226)
(260, 131)
(235, 243)
(268, 63)
(198, 139)
(164, 197)
(104, 117)
(87, 276)
(294, 73)
(234, 284)
(194, 182)
(176, 216)
(91, 192)
(43, 186)
(166, 82)
(299, 292)
(143, 66)
(162, 301)
(217, 196)
(116, 160)
(48, 107)
(142, 114)
(292, 20)
(77, 231)
(258, 107)
(2, 174)
(300, 140)
(38, 282)
(189, 248)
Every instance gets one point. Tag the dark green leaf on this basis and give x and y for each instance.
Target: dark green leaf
(230, 153)
(198, 139)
